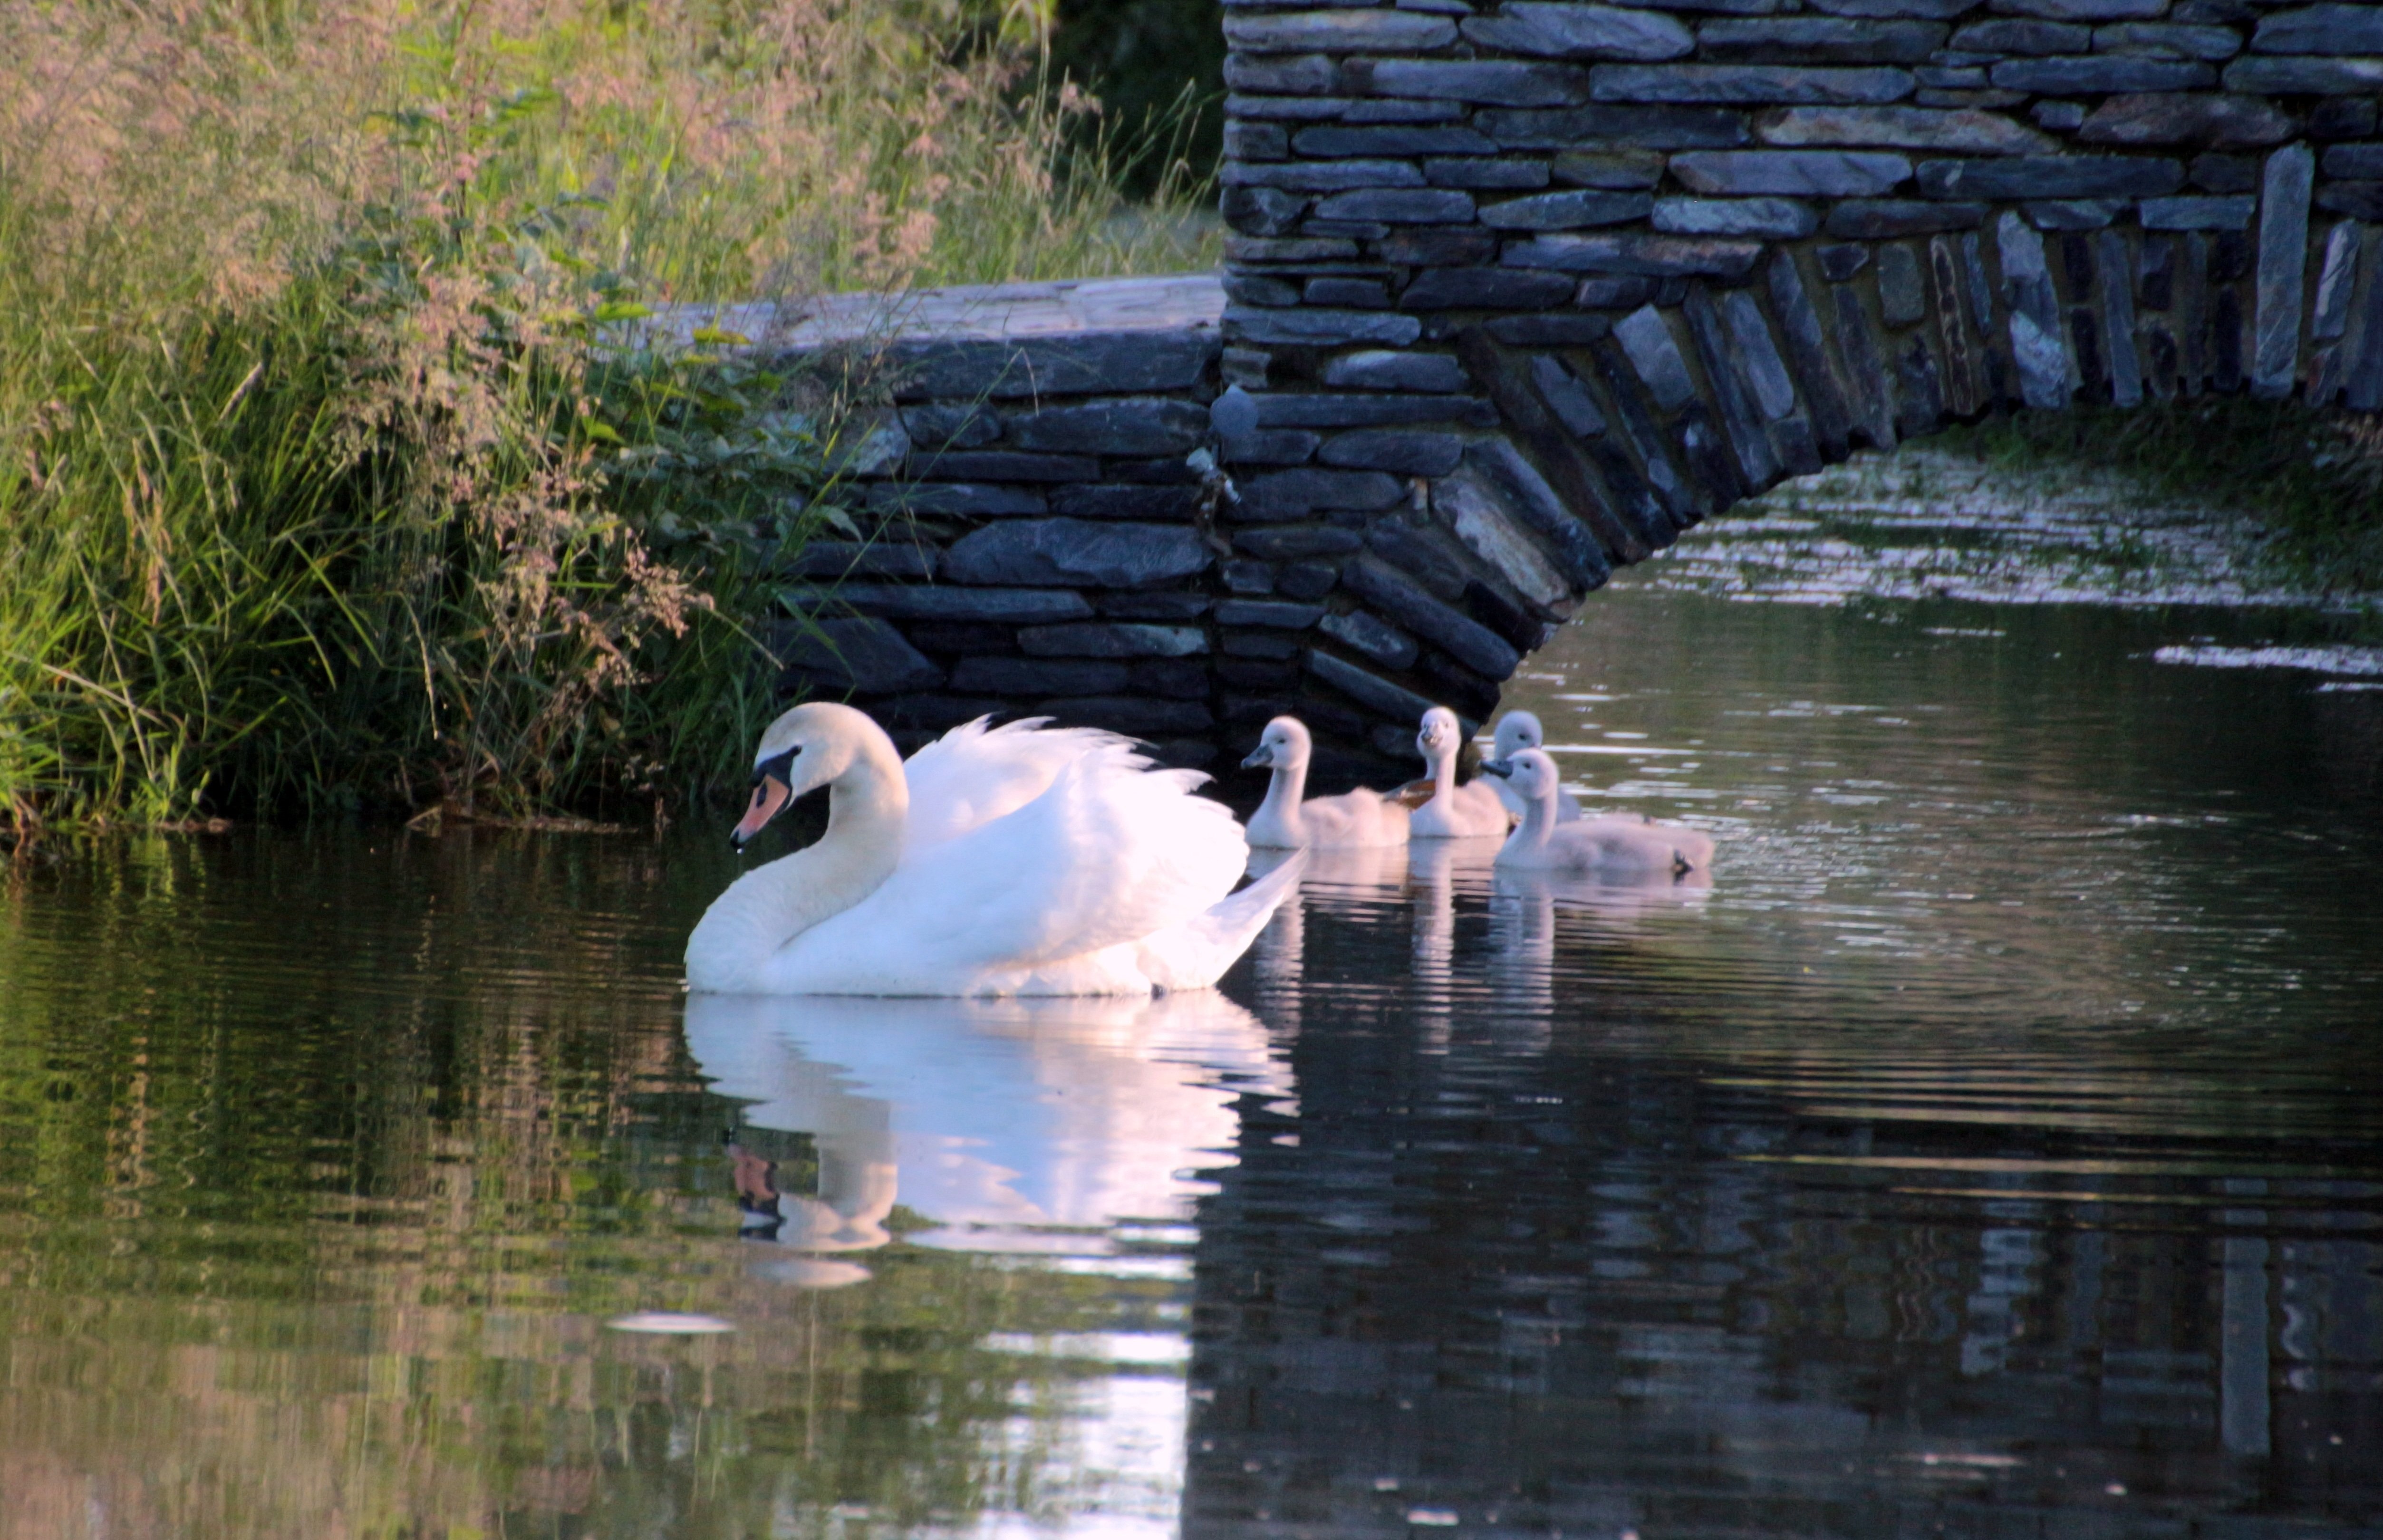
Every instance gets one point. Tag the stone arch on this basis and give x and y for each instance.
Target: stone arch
(1516, 293)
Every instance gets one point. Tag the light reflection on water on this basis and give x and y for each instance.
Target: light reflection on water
(1991, 1148)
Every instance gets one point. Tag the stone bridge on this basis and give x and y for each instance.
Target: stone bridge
(1516, 292)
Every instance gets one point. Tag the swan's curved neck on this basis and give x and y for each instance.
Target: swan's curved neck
(1285, 789)
(1444, 772)
(1538, 822)
(869, 809)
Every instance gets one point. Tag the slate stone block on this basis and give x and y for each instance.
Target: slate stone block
(1902, 298)
(1492, 82)
(1307, 580)
(1396, 595)
(1348, 293)
(2084, 10)
(1486, 288)
(1125, 426)
(1244, 104)
(2009, 35)
(1003, 465)
(1292, 496)
(2036, 343)
(2283, 263)
(2225, 174)
(2167, 39)
(1566, 211)
(1886, 218)
(1655, 127)
(1282, 75)
(942, 603)
(1249, 578)
(1337, 31)
(1526, 493)
(1437, 248)
(1320, 328)
(2215, 119)
(1391, 205)
(2265, 76)
(1473, 508)
(2198, 214)
(2052, 177)
(1613, 294)
(1807, 353)
(1928, 10)
(951, 427)
(1841, 263)
(1570, 32)
(2324, 29)
(1372, 637)
(964, 501)
(1095, 501)
(1079, 364)
(1383, 370)
(1249, 249)
(1135, 716)
(1786, 84)
(1262, 211)
(2354, 162)
(1773, 218)
(1077, 551)
(893, 556)
(2342, 118)
(1112, 639)
(1327, 143)
(1254, 644)
(2101, 74)
(1320, 176)
(1486, 175)
(1309, 540)
(1984, 134)
(1279, 614)
(1792, 173)
(1631, 253)
(2358, 200)
(1329, 410)
(1397, 450)
(1175, 605)
(1272, 446)
(2073, 213)
(1370, 691)
(1821, 40)
(1549, 331)
(1655, 354)
(1245, 141)
(865, 656)
(1614, 170)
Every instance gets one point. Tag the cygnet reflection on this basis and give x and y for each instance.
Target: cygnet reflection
(990, 1120)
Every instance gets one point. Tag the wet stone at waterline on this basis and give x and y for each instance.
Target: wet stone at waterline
(1992, 1142)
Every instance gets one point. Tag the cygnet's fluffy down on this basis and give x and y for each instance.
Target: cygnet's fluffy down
(1454, 812)
(1289, 820)
(1610, 849)
(1518, 730)
(1014, 861)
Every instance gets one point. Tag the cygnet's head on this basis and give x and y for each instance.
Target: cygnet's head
(1529, 771)
(1283, 746)
(1440, 734)
(1517, 730)
(809, 747)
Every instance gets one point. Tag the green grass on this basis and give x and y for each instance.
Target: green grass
(2309, 483)
(329, 474)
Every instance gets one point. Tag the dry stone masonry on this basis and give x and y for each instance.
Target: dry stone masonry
(1517, 292)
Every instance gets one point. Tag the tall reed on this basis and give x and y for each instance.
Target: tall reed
(328, 474)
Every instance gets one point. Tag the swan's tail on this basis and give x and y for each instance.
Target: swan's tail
(1195, 954)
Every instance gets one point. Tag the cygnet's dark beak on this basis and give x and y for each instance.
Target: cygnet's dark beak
(1499, 768)
(1258, 756)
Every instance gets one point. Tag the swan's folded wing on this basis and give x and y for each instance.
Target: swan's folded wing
(1110, 853)
(974, 773)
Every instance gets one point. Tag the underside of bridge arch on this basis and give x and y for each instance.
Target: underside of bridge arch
(1516, 293)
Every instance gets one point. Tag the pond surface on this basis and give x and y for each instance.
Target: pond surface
(1994, 1149)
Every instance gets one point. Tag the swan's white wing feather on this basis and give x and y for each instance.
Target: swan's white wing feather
(974, 773)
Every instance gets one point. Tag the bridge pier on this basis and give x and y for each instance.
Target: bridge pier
(1517, 293)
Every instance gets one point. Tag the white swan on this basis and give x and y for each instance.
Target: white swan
(1516, 731)
(1610, 849)
(1454, 812)
(1287, 819)
(1012, 860)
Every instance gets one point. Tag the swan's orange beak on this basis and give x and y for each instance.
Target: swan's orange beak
(769, 798)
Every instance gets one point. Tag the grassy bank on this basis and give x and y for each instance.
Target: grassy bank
(2309, 484)
(326, 480)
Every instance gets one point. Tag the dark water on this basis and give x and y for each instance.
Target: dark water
(1994, 1149)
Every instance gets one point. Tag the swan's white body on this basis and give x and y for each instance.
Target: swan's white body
(1012, 860)
(1289, 819)
(1466, 812)
(1518, 730)
(1608, 849)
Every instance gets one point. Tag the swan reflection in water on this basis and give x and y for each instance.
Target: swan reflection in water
(998, 1122)
(1426, 879)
